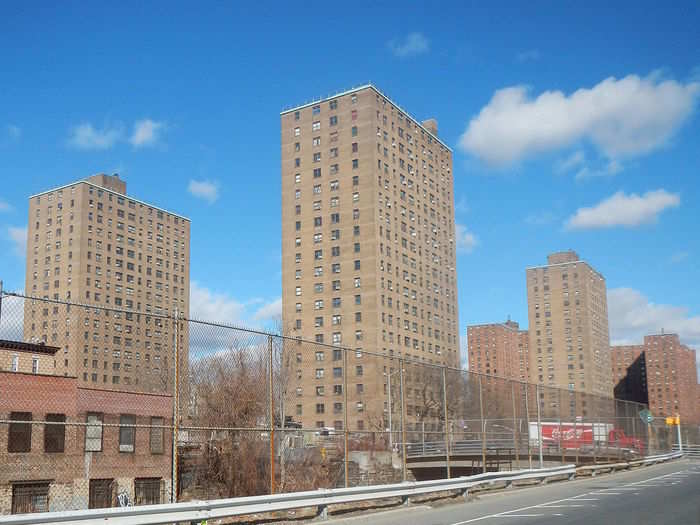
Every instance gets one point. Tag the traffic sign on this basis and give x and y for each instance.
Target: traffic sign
(646, 416)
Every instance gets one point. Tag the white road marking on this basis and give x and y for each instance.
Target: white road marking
(576, 498)
(521, 515)
(562, 506)
(553, 504)
(508, 512)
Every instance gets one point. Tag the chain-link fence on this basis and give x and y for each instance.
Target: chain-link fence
(104, 407)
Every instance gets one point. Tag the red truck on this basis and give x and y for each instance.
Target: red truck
(569, 435)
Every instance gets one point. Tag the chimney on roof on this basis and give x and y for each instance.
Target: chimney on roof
(431, 125)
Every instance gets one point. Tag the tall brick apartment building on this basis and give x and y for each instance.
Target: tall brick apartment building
(88, 242)
(661, 369)
(499, 349)
(368, 250)
(568, 327)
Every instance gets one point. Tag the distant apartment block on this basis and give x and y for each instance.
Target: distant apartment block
(668, 378)
(368, 250)
(89, 242)
(568, 326)
(498, 349)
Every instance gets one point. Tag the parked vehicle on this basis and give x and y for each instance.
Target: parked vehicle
(584, 436)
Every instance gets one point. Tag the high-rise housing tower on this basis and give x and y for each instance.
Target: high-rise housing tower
(568, 325)
(661, 371)
(90, 243)
(498, 349)
(368, 250)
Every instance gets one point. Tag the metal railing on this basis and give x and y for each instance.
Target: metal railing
(690, 451)
(321, 499)
(200, 511)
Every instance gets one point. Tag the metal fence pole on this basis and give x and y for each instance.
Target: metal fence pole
(447, 429)
(483, 428)
(403, 423)
(527, 421)
(176, 409)
(561, 445)
(516, 440)
(272, 416)
(539, 424)
(345, 416)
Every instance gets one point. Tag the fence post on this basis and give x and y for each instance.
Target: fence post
(272, 415)
(483, 428)
(345, 415)
(527, 421)
(447, 428)
(539, 424)
(403, 423)
(561, 445)
(176, 409)
(516, 440)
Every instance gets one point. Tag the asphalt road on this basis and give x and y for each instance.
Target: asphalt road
(668, 493)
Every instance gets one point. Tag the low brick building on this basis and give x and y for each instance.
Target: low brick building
(63, 446)
(16, 356)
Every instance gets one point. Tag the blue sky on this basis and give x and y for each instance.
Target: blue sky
(574, 126)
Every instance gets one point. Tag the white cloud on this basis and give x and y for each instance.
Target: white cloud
(146, 133)
(529, 55)
(204, 189)
(86, 136)
(269, 312)
(18, 236)
(632, 316)
(622, 118)
(466, 241)
(573, 161)
(462, 206)
(414, 44)
(14, 132)
(12, 319)
(624, 210)
(206, 305)
(5, 206)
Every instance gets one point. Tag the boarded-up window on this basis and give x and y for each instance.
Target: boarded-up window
(30, 497)
(101, 493)
(156, 435)
(55, 434)
(20, 434)
(93, 432)
(127, 433)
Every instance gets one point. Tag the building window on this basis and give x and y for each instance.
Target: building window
(354, 131)
(93, 433)
(14, 367)
(35, 365)
(333, 121)
(355, 164)
(19, 437)
(316, 126)
(297, 132)
(157, 433)
(30, 497)
(127, 433)
(146, 491)
(316, 110)
(296, 115)
(55, 434)
(333, 104)
(101, 493)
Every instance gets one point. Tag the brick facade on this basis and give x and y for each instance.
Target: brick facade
(68, 473)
